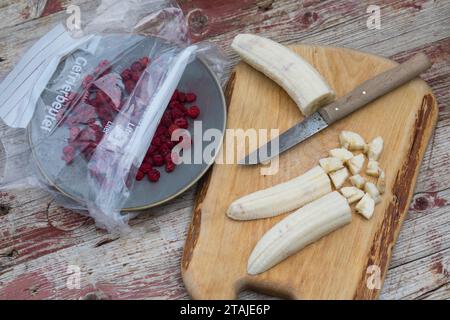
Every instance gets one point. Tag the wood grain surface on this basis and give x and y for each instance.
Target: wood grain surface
(336, 267)
(39, 240)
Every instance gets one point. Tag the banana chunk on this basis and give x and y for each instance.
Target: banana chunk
(299, 229)
(357, 181)
(372, 190)
(295, 75)
(375, 148)
(381, 182)
(356, 164)
(281, 198)
(331, 164)
(373, 168)
(338, 177)
(352, 194)
(352, 141)
(366, 206)
(341, 153)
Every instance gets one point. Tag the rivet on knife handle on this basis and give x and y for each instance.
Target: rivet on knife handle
(375, 87)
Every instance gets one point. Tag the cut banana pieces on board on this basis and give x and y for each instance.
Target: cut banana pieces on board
(281, 198)
(299, 229)
(295, 75)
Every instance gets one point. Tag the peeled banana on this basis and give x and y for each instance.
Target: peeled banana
(299, 229)
(295, 75)
(281, 198)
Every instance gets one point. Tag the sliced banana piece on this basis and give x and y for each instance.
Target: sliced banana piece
(299, 229)
(381, 182)
(281, 198)
(295, 75)
(358, 181)
(341, 153)
(356, 164)
(372, 189)
(352, 194)
(331, 164)
(338, 177)
(373, 168)
(352, 141)
(366, 206)
(375, 148)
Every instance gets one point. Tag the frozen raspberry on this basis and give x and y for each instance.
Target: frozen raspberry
(170, 166)
(135, 75)
(172, 128)
(145, 167)
(190, 97)
(126, 74)
(104, 63)
(181, 97)
(168, 157)
(68, 150)
(144, 61)
(164, 149)
(129, 86)
(193, 112)
(87, 81)
(136, 66)
(174, 96)
(176, 113)
(153, 175)
(181, 122)
(140, 175)
(157, 160)
(73, 133)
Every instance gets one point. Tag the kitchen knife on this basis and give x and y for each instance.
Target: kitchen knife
(366, 92)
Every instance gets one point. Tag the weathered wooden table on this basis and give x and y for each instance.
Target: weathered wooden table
(42, 246)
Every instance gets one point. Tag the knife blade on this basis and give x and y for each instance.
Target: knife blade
(363, 94)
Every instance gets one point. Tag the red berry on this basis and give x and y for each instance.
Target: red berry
(181, 97)
(87, 81)
(135, 75)
(160, 131)
(157, 160)
(140, 175)
(172, 128)
(129, 86)
(68, 159)
(164, 149)
(104, 63)
(156, 141)
(151, 150)
(193, 112)
(136, 66)
(126, 74)
(181, 122)
(73, 133)
(190, 97)
(170, 166)
(176, 113)
(145, 167)
(68, 150)
(153, 175)
(174, 96)
(144, 61)
(168, 157)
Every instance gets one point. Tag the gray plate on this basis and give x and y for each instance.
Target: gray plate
(71, 179)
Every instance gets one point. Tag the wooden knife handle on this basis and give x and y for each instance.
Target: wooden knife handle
(375, 87)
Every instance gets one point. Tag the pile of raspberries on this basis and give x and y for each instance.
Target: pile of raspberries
(88, 120)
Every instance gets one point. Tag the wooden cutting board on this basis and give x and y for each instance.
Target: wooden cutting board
(347, 263)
